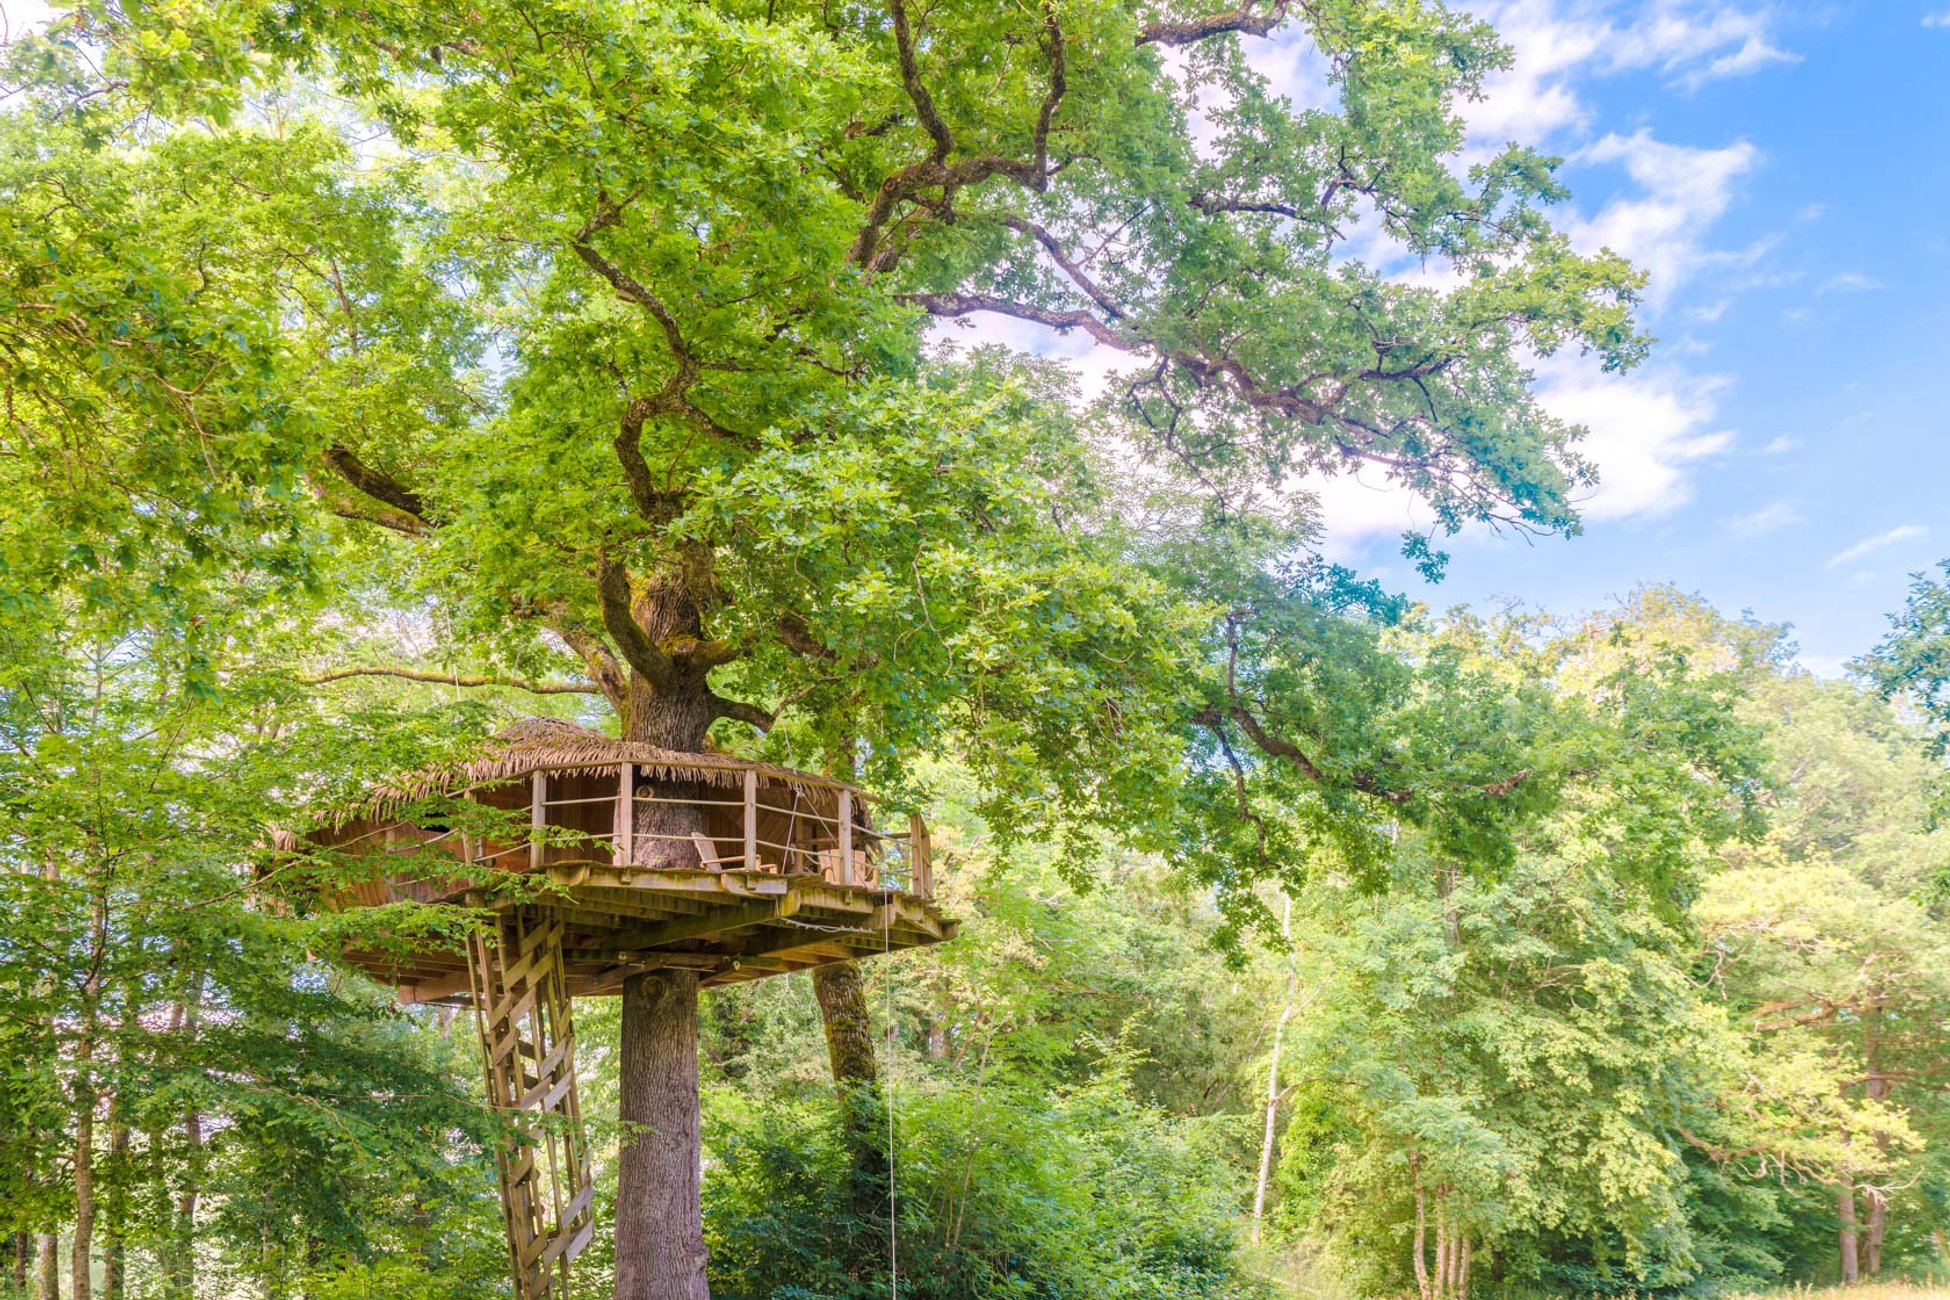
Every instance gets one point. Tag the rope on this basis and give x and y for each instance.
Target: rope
(893, 1203)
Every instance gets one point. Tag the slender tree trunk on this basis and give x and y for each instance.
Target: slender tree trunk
(1421, 1228)
(659, 1227)
(1873, 1233)
(81, 1276)
(1845, 1212)
(115, 1229)
(23, 1255)
(1273, 1083)
(1875, 1088)
(1272, 1118)
(849, 1048)
(47, 1267)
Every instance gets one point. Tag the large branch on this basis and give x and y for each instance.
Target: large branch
(1248, 20)
(619, 620)
(967, 304)
(453, 679)
(381, 487)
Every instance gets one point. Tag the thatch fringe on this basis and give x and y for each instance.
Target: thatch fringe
(553, 745)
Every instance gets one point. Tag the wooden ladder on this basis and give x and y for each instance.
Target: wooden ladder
(528, 1054)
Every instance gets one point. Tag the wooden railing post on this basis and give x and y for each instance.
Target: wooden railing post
(923, 854)
(751, 820)
(624, 838)
(537, 816)
(846, 837)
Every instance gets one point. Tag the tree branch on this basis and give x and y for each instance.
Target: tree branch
(381, 487)
(935, 170)
(1062, 259)
(451, 679)
(639, 651)
(967, 304)
(1247, 19)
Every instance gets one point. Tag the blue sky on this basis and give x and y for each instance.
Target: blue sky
(1779, 170)
(1784, 173)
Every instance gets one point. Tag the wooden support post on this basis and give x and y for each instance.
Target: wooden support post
(751, 819)
(923, 853)
(846, 837)
(623, 841)
(468, 847)
(537, 817)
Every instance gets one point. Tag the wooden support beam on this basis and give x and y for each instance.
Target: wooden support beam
(702, 926)
(846, 837)
(751, 819)
(537, 817)
(625, 837)
(922, 852)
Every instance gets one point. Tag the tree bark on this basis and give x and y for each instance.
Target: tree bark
(115, 1227)
(1876, 1088)
(1421, 1228)
(660, 1251)
(82, 1245)
(47, 1266)
(1273, 1083)
(856, 1078)
(1845, 1211)
(23, 1255)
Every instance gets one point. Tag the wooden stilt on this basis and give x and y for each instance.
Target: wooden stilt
(528, 1054)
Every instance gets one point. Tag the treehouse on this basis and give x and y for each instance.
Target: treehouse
(599, 860)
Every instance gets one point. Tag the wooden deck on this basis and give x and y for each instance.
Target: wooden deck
(729, 926)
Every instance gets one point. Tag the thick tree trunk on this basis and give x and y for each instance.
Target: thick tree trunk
(849, 1049)
(660, 1253)
(47, 1267)
(1845, 1212)
(659, 1225)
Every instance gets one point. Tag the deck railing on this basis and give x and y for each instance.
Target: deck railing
(770, 825)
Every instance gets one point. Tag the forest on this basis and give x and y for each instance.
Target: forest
(383, 381)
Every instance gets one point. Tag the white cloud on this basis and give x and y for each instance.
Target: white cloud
(1698, 43)
(1683, 191)
(1710, 313)
(1646, 431)
(1870, 545)
(1937, 20)
(1812, 212)
(1849, 282)
(1780, 446)
(1767, 519)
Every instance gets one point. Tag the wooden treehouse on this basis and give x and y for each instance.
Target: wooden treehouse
(638, 859)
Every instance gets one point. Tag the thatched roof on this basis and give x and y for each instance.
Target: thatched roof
(553, 745)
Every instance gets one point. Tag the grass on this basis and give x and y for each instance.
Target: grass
(1864, 1291)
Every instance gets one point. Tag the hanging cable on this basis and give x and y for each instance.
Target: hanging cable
(893, 1197)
